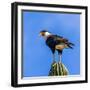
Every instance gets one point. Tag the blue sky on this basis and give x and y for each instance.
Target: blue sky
(37, 57)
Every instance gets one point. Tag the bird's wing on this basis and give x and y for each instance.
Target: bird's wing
(60, 39)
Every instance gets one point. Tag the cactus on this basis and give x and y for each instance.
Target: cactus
(58, 69)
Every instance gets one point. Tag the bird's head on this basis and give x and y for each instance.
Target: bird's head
(44, 33)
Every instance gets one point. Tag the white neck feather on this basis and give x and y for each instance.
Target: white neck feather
(47, 34)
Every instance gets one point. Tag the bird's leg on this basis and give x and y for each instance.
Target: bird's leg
(53, 57)
(60, 58)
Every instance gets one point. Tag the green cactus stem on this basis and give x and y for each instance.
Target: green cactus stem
(58, 69)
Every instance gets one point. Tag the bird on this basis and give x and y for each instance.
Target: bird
(56, 43)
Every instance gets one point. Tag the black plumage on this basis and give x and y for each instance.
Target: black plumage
(54, 40)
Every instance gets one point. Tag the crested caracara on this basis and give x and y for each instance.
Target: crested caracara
(55, 42)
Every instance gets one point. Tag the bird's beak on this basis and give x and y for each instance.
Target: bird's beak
(39, 34)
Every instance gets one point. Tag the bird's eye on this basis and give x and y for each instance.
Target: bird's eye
(42, 34)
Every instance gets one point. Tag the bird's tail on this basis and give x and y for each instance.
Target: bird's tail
(70, 45)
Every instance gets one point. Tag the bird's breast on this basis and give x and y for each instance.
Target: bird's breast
(50, 41)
